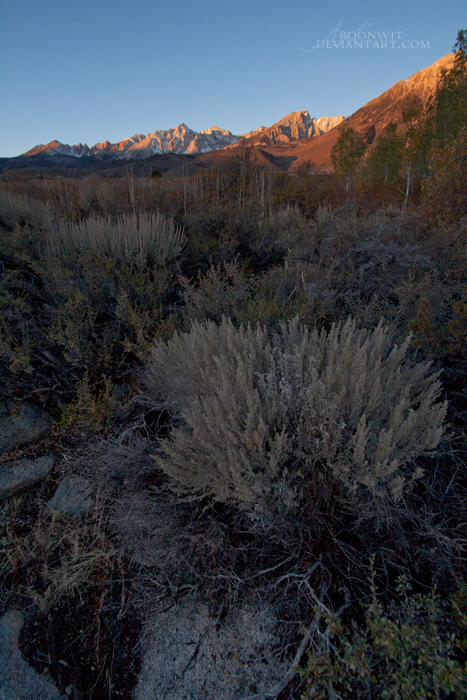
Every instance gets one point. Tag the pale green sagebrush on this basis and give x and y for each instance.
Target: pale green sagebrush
(259, 415)
(132, 238)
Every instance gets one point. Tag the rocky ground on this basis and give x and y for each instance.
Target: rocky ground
(100, 621)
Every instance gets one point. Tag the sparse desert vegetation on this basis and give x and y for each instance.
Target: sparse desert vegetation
(259, 380)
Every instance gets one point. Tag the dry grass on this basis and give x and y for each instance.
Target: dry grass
(59, 556)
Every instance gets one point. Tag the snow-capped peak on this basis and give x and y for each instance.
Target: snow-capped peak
(182, 139)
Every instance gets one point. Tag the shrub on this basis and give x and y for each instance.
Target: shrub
(132, 238)
(408, 650)
(351, 266)
(16, 325)
(90, 410)
(267, 418)
(84, 315)
(105, 311)
(222, 291)
(17, 209)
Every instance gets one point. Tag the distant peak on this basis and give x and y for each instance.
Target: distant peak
(216, 129)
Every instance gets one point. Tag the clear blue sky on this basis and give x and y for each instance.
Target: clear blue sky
(90, 70)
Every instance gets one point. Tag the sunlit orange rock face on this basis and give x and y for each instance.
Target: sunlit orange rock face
(180, 139)
(371, 119)
(293, 127)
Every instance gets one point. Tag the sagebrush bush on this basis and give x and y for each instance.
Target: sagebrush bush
(223, 290)
(132, 238)
(105, 311)
(88, 315)
(19, 209)
(261, 416)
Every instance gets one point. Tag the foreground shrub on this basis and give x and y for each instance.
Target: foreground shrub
(223, 290)
(276, 418)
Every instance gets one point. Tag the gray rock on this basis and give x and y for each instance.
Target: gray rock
(19, 426)
(18, 680)
(189, 656)
(73, 495)
(23, 473)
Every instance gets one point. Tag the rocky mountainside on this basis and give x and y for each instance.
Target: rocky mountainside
(294, 126)
(184, 140)
(388, 107)
(370, 120)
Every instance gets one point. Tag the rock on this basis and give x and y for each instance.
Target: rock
(190, 656)
(23, 473)
(18, 680)
(18, 427)
(73, 495)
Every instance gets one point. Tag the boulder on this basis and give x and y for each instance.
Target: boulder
(18, 680)
(73, 495)
(20, 425)
(23, 473)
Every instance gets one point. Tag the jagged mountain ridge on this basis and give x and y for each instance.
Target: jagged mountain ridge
(180, 139)
(293, 127)
(184, 140)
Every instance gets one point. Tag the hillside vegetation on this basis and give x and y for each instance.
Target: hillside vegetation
(278, 361)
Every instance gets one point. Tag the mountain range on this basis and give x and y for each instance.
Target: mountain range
(294, 139)
(184, 140)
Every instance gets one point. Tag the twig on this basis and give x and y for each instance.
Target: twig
(272, 568)
(192, 659)
(304, 576)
